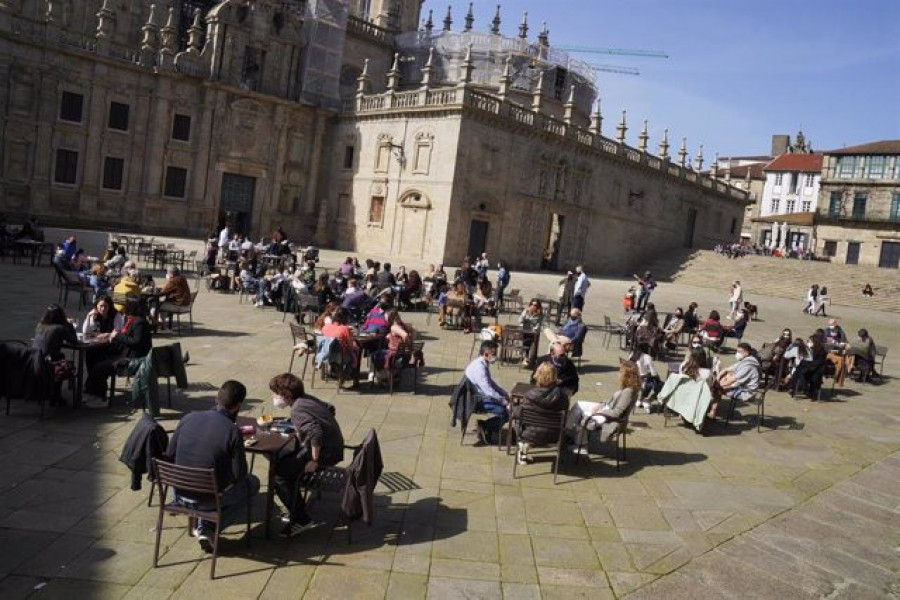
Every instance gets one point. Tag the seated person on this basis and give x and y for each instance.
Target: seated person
(863, 352)
(134, 340)
(354, 299)
(110, 252)
(323, 290)
(834, 333)
(340, 330)
(384, 279)
(207, 439)
(454, 304)
(868, 291)
(412, 288)
(771, 355)
(647, 330)
(737, 329)
(325, 317)
(128, 286)
(650, 381)
(177, 291)
(810, 367)
(549, 399)
(691, 321)
(376, 319)
(574, 328)
(53, 331)
(530, 321)
(118, 261)
(80, 260)
(711, 330)
(699, 353)
(673, 328)
(103, 318)
(398, 332)
(318, 443)
(492, 398)
(557, 356)
(739, 381)
(62, 261)
(98, 280)
(688, 393)
(606, 416)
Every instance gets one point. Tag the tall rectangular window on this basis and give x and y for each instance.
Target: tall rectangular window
(113, 170)
(895, 208)
(776, 204)
(71, 106)
(118, 116)
(181, 128)
(807, 206)
(176, 182)
(810, 180)
(376, 210)
(349, 152)
(831, 249)
(875, 166)
(791, 204)
(793, 182)
(834, 204)
(779, 179)
(846, 166)
(66, 166)
(859, 205)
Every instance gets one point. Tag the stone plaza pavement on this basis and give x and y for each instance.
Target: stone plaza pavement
(808, 508)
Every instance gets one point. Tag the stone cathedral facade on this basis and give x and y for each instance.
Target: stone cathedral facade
(358, 124)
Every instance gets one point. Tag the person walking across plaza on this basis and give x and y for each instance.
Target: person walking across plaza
(646, 285)
(582, 283)
(736, 299)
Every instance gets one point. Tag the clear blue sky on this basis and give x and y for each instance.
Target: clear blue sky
(738, 72)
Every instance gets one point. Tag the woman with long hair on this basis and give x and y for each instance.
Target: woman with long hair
(103, 318)
(53, 331)
(688, 393)
(605, 416)
(548, 399)
(322, 289)
(133, 340)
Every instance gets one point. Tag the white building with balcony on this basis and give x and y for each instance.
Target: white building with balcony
(789, 196)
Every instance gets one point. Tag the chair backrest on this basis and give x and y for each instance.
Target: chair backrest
(187, 479)
(607, 322)
(552, 421)
(881, 351)
(298, 332)
(193, 297)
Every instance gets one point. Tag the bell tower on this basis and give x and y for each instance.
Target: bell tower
(396, 15)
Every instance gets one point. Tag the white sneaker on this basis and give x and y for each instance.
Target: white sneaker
(581, 451)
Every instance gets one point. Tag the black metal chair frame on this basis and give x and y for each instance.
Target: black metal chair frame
(299, 333)
(188, 479)
(758, 398)
(529, 416)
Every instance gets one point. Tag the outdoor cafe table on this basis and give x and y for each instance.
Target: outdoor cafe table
(268, 444)
(32, 249)
(553, 307)
(85, 343)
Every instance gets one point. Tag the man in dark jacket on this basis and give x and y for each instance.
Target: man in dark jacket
(566, 373)
(210, 439)
(385, 279)
(320, 443)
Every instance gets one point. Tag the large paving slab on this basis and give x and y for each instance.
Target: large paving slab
(803, 495)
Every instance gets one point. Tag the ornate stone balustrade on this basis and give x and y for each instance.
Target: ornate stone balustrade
(369, 30)
(465, 98)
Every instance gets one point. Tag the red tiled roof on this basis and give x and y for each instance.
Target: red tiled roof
(803, 163)
(879, 147)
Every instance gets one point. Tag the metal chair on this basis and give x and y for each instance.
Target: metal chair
(611, 329)
(183, 310)
(758, 398)
(512, 301)
(300, 335)
(530, 416)
(404, 358)
(69, 281)
(512, 344)
(200, 483)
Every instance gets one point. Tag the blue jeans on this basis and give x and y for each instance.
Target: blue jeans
(492, 407)
(234, 502)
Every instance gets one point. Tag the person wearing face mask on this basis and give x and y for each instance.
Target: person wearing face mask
(566, 373)
(810, 369)
(698, 352)
(319, 443)
(739, 381)
(492, 398)
(502, 283)
(207, 439)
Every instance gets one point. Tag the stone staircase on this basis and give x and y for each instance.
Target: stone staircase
(784, 278)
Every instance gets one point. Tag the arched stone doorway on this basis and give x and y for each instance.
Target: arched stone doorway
(415, 210)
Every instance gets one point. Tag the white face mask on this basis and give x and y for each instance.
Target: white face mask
(740, 355)
(695, 345)
(492, 358)
(279, 402)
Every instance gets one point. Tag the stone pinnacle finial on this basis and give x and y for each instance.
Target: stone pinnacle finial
(429, 23)
(664, 145)
(506, 77)
(544, 35)
(569, 106)
(195, 32)
(747, 178)
(105, 21)
(149, 39)
(448, 18)
(714, 169)
(468, 65)
(597, 120)
(643, 137)
(682, 153)
(394, 74)
(537, 95)
(523, 28)
(470, 18)
(728, 170)
(168, 35)
(698, 160)
(426, 70)
(495, 24)
(621, 128)
(362, 82)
